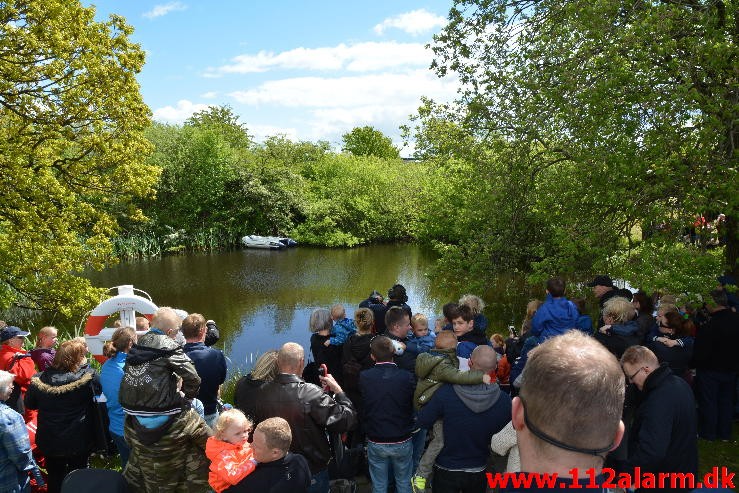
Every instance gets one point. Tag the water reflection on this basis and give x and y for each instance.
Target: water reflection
(262, 299)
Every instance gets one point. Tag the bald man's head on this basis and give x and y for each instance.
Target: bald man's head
(290, 358)
(484, 358)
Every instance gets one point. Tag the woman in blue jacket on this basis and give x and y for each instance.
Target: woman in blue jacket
(111, 375)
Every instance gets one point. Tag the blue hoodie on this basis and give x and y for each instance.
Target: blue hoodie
(556, 316)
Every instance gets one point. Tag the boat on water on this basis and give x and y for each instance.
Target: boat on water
(268, 242)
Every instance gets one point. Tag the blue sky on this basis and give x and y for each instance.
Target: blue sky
(308, 70)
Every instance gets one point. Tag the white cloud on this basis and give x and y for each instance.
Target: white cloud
(209, 95)
(360, 57)
(355, 91)
(164, 9)
(415, 22)
(180, 113)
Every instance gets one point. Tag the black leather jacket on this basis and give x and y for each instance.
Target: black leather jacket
(150, 376)
(311, 413)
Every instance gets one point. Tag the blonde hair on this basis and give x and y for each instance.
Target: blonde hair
(639, 355)
(419, 318)
(364, 320)
(266, 367)
(338, 311)
(226, 419)
(47, 331)
(474, 302)
(498, 339)
(619, 309)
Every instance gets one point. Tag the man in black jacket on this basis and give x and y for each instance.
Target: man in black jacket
(309, 410)
(278, 471)
(662, 438)
(604, 290)
(716, 364)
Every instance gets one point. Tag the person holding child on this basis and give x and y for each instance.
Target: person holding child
(231, 456)
(434, 369)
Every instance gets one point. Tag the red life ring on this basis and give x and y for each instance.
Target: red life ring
(125, 301)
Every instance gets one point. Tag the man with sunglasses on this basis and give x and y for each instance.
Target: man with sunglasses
(662, 438)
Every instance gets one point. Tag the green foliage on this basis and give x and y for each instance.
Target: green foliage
(368, 141)
(355, 200)
(578, 124)
(71, 148)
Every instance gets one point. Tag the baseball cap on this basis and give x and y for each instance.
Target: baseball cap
(12, 331)
(601, 281)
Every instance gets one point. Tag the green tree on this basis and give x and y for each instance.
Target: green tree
(222, 120)
(71, 148)
(368, 141)
(624, 116)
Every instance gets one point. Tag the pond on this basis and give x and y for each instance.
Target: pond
(261, 299)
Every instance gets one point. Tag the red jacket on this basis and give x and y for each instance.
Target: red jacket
(23, 368)
(229, 463)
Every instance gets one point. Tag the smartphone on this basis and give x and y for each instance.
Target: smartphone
(512, 331)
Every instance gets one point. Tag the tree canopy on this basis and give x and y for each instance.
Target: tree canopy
(71, 148)
(368, 141)
(620, 119)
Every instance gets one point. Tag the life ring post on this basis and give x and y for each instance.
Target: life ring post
(127, 304)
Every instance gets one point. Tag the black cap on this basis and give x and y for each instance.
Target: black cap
(601, 281)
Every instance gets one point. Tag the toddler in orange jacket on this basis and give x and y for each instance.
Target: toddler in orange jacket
(231, 457)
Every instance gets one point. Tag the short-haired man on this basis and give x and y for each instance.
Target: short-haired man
(278, 470)
(309, 410)
(471, 415)
(568, 413)
(397, 326)
(662, 438)
(14, 359)
(387, 415)
(210, 364)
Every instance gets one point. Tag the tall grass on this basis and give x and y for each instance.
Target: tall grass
(150, 244)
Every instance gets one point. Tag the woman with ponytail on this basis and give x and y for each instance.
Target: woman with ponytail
(111, 375)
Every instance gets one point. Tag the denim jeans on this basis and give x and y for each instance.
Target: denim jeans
(419, 443)
(319, 482)
(210, 419)
(381, 455)
(426, 464)
(123, 449)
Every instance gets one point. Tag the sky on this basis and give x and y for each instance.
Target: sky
(306, 70)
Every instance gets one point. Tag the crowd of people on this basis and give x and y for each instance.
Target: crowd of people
(413, 402)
